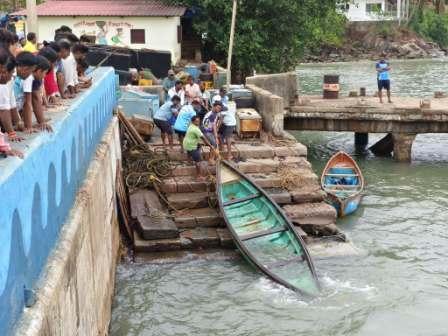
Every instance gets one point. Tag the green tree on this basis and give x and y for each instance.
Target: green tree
(271, 35)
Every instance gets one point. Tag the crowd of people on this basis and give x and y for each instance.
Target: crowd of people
(196, 118)
(34, 77)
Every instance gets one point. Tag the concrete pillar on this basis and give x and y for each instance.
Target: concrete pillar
(361, 140)
(403, 146)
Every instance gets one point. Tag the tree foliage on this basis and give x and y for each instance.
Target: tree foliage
(270, 35)
(431, 22)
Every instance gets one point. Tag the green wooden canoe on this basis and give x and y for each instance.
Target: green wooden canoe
(263, 233)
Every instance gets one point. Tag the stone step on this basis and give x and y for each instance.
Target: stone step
(312, 214)
(191, 200)
(194, 239)
(202, 217)
(245, 151)
(150, 218)
(270, 165)
(187, 184)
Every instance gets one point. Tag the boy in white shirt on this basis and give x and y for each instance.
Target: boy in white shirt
(8, 106)
(69, 68)
(23, 87)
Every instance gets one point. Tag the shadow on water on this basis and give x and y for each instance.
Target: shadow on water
(398, 286)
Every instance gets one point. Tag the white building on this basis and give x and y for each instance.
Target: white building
(374, 10)
(127, 23)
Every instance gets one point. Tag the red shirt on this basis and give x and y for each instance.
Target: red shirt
(51, 86)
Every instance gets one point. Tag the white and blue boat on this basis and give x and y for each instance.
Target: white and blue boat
(343, 182)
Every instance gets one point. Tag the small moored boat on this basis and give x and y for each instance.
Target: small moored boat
(263, 233)
(343, 181)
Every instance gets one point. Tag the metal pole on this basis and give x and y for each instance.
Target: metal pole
(232, 34)
(31, 16)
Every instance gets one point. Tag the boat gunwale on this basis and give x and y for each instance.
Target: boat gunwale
(289, 227)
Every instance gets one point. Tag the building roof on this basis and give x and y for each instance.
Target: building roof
(106, 8)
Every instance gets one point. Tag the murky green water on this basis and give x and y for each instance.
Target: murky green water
(397, 286)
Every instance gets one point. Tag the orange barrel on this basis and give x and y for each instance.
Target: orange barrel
(331, 86)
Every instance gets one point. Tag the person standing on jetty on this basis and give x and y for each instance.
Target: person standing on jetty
(383, 77)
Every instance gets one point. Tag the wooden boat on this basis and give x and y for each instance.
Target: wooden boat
(263, 233)
(343, 181)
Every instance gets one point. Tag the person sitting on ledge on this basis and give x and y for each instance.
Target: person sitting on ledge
(191, 145)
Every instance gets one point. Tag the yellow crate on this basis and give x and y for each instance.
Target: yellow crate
(145, 82)
(208, 85)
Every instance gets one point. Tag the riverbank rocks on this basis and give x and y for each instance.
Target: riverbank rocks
(369, 40)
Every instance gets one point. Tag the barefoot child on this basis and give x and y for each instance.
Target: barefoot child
(8, 106)
(50, 84)
(192, 147)
(23, 87)
(39, 73)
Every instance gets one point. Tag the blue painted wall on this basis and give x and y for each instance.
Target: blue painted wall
(37, 193)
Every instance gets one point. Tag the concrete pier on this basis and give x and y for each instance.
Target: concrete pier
(404, 118)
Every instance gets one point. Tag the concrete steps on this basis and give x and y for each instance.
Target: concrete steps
(189, 239)
(192, 239)
(188, 183)
(202, 217)
(245, 151)
(270, 165)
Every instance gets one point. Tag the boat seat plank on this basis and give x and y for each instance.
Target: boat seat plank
(239, 200)
(341, 175)
(263, 233)
(285, 262)
(341, 186)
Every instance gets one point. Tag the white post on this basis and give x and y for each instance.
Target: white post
(232, 34)
(31, 16)
(399, 11)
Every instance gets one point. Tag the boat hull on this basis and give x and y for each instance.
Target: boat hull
(345, 207)
(263, 233)
(343, 182)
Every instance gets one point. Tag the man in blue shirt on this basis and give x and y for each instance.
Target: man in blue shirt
(162, 119)
(184, 118)
(383, 77)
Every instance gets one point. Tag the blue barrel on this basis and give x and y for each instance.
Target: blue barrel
(193, 71)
